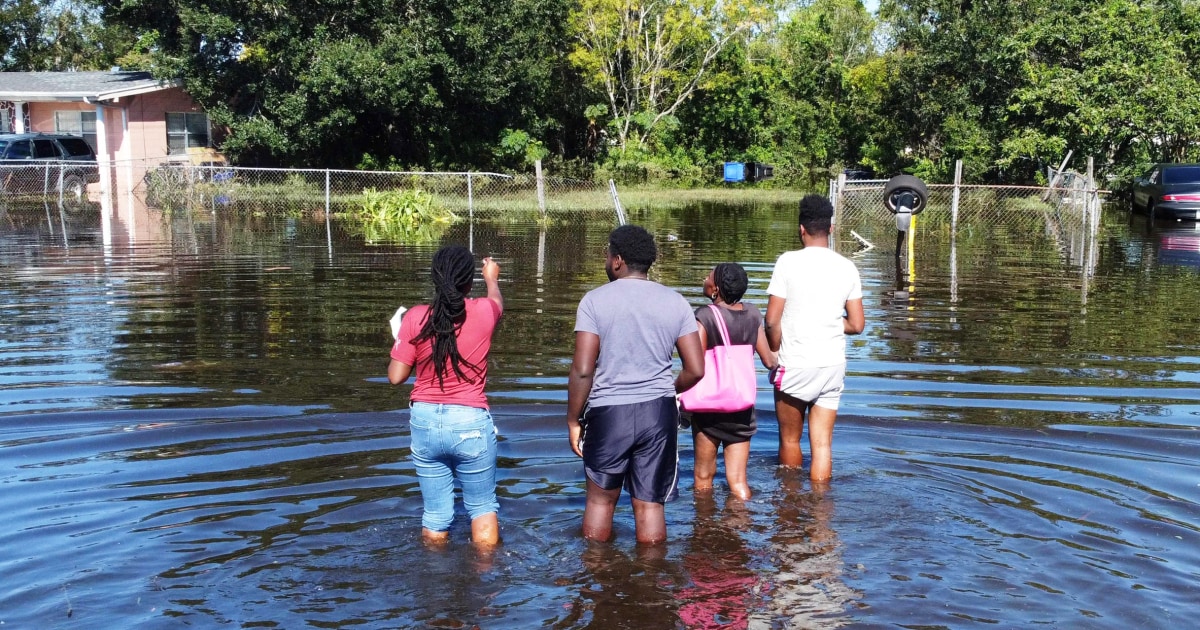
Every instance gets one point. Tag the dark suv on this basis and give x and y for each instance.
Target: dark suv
(41, 163)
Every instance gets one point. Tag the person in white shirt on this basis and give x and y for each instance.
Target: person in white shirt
(815, 301)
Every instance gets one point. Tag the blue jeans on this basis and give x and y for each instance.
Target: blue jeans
(449, 441)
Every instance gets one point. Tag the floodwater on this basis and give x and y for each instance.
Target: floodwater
(196, 431)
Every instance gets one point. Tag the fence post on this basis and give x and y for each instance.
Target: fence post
(470, 199)
(838, 197)
(1057, 175)
(954, 197)
(612, 189)
(541, 187)
(1091, 194)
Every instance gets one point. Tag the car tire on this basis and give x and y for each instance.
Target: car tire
(74, 190)
(1150, 209)
(905, 183)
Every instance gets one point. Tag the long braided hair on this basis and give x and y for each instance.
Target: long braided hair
(452, 272)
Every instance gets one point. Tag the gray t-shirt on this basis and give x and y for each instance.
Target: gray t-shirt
(638, 322)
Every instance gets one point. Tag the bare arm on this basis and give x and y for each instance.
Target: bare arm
(691, 352)
(398, 372)
(579, 383)
(855, 321)
(763, 348)
(772, 320)
(703, 335)
(491, 278)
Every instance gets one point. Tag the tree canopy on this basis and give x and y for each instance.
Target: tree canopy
(657, 88)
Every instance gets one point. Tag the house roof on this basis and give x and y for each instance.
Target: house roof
(78, 86)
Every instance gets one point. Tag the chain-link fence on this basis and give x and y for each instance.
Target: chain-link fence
(179, 186)
(64, 181)
(1067, 211)
(171, 186)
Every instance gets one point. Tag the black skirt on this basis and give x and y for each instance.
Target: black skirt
(726, 428)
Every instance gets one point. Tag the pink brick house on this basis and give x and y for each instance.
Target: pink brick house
(125, 116)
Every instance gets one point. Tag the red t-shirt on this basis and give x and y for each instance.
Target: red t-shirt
(474, 342)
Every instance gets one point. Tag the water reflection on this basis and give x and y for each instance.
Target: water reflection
(807, 590)
(724, 588)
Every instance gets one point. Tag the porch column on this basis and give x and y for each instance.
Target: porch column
(102, 152)
(18, 117)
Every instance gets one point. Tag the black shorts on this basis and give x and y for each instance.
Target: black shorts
(634, 446)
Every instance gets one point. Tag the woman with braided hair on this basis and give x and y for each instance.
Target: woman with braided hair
(451, 430)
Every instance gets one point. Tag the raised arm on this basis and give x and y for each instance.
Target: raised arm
(491, 278)
(772, 321)
(579, 383)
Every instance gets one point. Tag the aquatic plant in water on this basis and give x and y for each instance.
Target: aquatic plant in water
(400, 216)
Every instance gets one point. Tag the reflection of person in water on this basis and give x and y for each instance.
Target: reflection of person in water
(624, 592)
(809, 591)
(721, 590)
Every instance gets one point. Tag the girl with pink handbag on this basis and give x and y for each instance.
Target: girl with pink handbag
(721, 405)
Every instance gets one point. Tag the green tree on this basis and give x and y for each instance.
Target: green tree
(417, 82)
(1116, 80)
(61, 35)
(954, 73)
(647, 57)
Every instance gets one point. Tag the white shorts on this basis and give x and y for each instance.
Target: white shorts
(820, 386)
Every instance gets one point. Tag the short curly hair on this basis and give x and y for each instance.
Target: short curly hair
(634, 245)
(816, 214)
(731, 281)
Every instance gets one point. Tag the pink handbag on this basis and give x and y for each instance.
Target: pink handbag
(729, 382)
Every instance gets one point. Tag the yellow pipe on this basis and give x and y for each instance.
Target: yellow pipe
(912, 261)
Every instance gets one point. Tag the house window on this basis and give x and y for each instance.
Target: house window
(5, 120)
(186, 130)
(77, 123)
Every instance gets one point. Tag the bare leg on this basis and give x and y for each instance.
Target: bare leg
(736, 456)
(789, 411)
(435, 539)
(820, 441)
(485, 530)
(651, 522)
(706, 461)
(598, 512)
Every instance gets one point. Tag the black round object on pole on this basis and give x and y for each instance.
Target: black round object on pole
(905, 191)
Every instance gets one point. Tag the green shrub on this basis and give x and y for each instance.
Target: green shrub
(401, 216)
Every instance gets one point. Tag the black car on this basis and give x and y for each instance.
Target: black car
(1169, 191)
(39, 164)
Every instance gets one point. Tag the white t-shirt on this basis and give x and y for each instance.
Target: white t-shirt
(816, 282)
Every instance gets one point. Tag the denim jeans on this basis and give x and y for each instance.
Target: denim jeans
(449, 441)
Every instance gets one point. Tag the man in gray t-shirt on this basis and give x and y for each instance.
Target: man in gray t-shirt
(625, 335)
